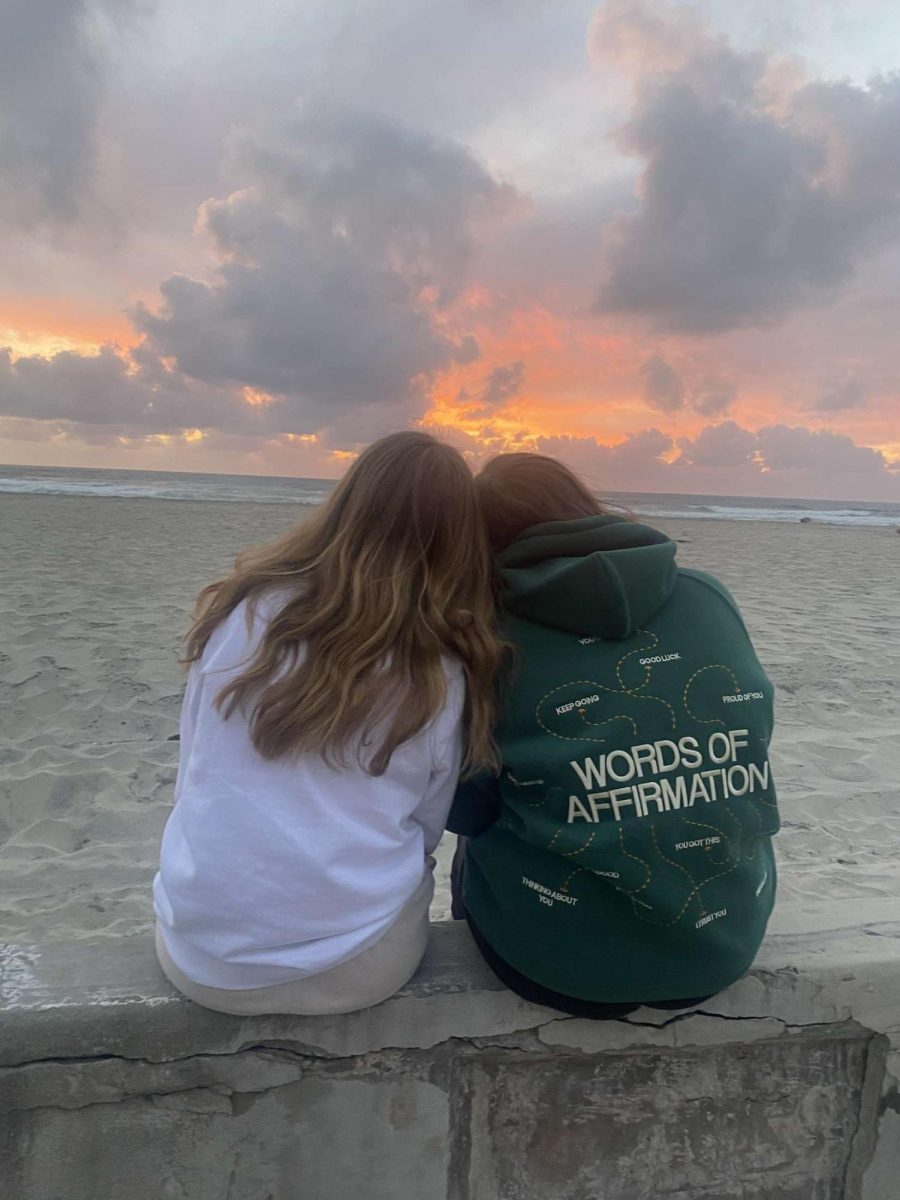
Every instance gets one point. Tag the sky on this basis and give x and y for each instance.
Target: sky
(658, 240)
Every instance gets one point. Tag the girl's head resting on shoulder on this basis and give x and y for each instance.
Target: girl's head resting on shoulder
(516, 491)
(385, 578)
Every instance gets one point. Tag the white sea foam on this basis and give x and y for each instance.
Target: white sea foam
(256, 489)
(141, 485)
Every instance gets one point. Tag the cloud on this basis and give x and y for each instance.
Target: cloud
(54, 61)
(633, 464)
(337, 257)
(503, 383)
(746, 209)
(134, 393)
(636, 36)
(726, 459)
(782, 450)
(622, 466)
(666, 390)
(725, 445)
(346, 262)
(846, 392)
(819, 451)
(347, 238)
(714, 395)
(663, 387)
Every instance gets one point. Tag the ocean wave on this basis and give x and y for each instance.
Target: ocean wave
(818, 516)
(38, 487)
(205, 492)
(297, 492)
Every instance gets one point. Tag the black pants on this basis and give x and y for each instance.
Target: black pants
(533, 992)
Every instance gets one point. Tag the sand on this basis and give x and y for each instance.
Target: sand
(94, 596)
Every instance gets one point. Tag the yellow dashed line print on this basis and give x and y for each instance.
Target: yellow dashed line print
(642, 861)
(558, 833)
(528, 783)
(592, 683)
(720, 833)
(731, 863)
(606, 720)
(581, 849)
(673, 863)
(604, 875)
(648, 670)
(657, 700)
(712, 667)
(584, 705)
(564, 886)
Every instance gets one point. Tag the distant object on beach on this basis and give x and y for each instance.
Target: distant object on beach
(806, 520)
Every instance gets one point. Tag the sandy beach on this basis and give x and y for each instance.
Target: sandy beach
(96, 592)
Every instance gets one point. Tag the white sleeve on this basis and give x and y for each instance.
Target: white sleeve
(447, 749)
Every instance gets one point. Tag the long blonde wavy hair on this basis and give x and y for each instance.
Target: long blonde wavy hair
(389, 574)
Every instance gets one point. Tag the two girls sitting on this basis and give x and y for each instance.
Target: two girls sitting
(500, 656)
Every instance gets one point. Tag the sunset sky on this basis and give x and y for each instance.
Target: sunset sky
(659, 240)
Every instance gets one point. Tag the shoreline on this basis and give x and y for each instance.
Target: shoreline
(891, 525)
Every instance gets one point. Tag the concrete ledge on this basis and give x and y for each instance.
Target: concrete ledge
(785, 1087)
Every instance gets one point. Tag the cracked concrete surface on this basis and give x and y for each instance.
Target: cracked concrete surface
(784, 1087)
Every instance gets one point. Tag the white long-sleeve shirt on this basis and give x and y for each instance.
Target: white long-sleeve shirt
(273, 870)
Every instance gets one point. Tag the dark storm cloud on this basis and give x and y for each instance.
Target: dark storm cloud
(53, 64)
(347, 236)
(747, 209)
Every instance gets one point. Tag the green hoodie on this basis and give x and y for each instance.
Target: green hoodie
(624, 853)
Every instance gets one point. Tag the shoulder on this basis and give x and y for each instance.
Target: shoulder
(711, 586)
(707, 582)
(235, 640)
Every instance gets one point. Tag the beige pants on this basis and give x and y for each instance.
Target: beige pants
(361, 981)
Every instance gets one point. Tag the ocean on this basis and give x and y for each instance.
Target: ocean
(265, 489)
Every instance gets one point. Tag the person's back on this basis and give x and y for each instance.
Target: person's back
(624, 854)
(272, 870)
(339, 681)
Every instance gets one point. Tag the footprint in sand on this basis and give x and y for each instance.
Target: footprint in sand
(834, 761)
(55, 835)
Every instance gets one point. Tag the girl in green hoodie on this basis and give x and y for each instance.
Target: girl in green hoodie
(622, 855)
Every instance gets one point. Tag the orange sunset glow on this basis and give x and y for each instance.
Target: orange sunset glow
(47, 326)
(667, 252)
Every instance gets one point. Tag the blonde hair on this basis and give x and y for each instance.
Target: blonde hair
(391, 573)
(516, 491)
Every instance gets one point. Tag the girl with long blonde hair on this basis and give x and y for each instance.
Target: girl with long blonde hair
(340, 681)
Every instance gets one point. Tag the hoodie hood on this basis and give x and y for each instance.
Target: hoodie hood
(600, 576)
